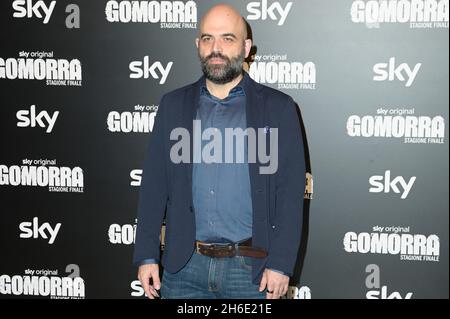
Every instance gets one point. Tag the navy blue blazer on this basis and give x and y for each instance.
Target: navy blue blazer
(277, 199)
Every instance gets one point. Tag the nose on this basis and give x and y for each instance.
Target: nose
(217, 47)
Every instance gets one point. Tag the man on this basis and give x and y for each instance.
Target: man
(232, 229)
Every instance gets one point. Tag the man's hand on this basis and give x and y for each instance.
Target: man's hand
(145, 272)
(277, 284)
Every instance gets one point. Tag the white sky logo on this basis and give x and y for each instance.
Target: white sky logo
(143, 69)
(275, 11)
(136, 177)
(33, 230)
(136, 289)
(378, 186)
(389, 71)
(26, 8)
(30, 118)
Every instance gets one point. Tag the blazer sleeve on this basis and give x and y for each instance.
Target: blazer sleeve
(153, 193)
(285, 228)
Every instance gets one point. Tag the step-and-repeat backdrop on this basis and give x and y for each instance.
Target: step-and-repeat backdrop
(80, 84)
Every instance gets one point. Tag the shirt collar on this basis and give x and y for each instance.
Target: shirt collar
(238, 90)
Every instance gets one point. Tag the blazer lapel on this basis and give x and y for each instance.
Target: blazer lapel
(255, 119)
(189, 113)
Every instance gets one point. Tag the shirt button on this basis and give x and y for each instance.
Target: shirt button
(212, 192)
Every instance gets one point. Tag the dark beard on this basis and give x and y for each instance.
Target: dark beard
(225, 73)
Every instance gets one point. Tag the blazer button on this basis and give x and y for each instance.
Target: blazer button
(191, 209)
(273, 226)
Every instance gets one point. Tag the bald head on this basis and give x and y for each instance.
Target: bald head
(222, 44)
(221, 17)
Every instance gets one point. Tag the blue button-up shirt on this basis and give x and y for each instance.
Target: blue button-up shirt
(221, 190)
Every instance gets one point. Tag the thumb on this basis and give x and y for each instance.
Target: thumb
(263, 283)
(156, 280)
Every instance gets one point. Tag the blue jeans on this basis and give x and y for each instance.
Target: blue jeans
(204, 277)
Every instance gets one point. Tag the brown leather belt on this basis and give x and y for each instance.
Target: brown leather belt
(229, 250)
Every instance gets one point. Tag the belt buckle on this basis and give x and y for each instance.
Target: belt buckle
(197, 246)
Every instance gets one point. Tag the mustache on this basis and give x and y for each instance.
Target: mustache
(216, 55)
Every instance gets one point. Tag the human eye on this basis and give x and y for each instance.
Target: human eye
(206, 38)
(228, 39)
